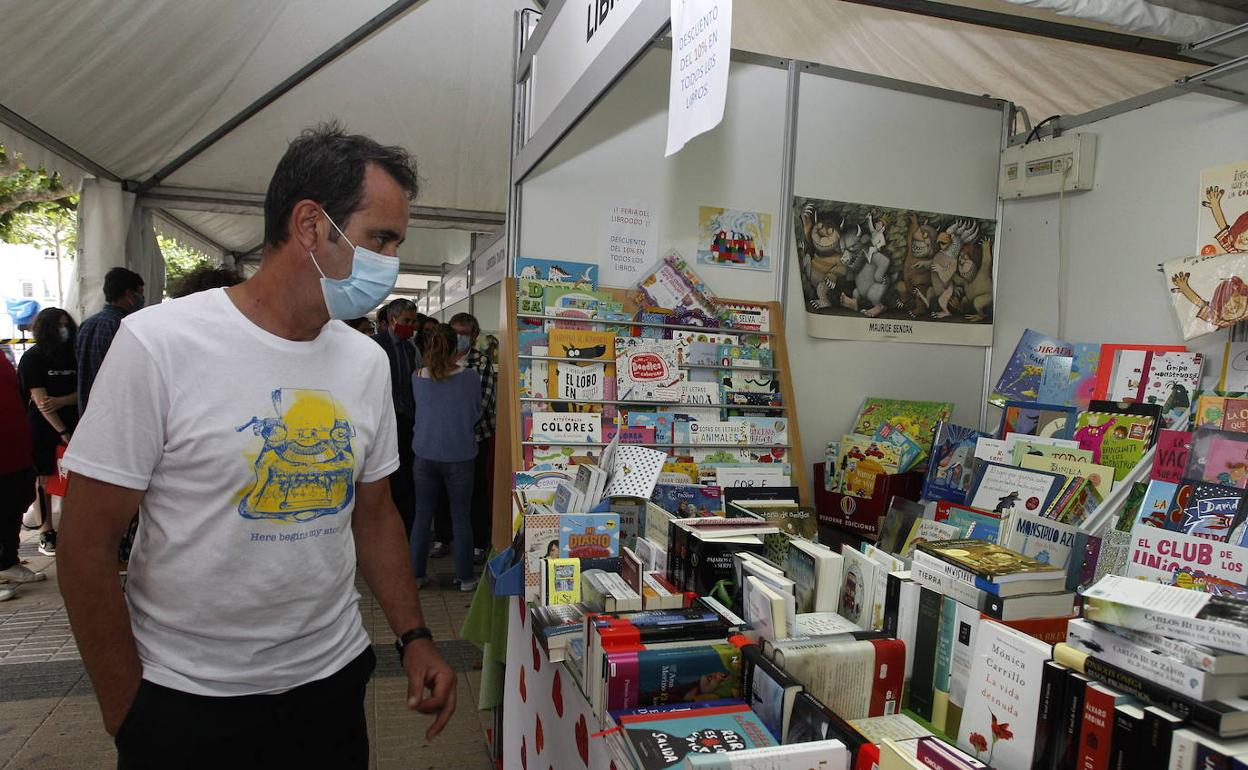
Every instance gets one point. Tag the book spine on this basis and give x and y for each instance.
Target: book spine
(934, 759)
(942, 584)
(1158, 734)
(927, 631)
(892, 604)
(954, 572)
(1183, 750)
(1096, 739)
(1222, 635)
(1052, 687)
(1066, 752)
(1127, 738)
(944, 653)
(1200, 713)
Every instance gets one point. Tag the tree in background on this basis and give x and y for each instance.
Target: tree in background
(180, 259)
(26, 191)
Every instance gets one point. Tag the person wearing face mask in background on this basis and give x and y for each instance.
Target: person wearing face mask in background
(259, 437)
(404, 359)
(49, 377)
(468, 329)
(448, 405)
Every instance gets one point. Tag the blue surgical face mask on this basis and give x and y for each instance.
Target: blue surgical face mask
(372, 277)
(64, 332)
(462, 343)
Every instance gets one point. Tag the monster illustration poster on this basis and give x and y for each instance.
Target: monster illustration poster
(734, 238)
(877, 273)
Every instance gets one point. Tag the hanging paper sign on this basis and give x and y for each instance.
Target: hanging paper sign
(630, 248)
(701, 46)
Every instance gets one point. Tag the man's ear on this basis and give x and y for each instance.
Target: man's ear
(305, 222)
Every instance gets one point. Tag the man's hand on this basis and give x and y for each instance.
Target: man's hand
(426, 669)
(114, 711)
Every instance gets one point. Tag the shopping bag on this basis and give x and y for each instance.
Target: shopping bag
(60, 482)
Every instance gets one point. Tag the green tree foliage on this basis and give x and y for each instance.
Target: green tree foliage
(180, 259)
(35, 206)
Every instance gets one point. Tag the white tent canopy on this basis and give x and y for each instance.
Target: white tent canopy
(188, 105)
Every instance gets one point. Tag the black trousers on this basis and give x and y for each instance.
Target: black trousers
(402, 488)
(319, 724)
(482, 494)
(17, 492)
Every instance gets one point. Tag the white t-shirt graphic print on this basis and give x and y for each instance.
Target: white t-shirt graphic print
(249, 447)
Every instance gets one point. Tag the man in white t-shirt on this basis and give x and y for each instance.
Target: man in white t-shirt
(255, 435)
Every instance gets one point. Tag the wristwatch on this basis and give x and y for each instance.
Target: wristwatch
(409, 636)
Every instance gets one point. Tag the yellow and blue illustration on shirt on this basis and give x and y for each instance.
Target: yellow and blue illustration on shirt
(306, 468)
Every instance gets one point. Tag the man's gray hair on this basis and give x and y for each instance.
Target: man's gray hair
(396, 306)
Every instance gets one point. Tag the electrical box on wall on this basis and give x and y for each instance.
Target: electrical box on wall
(1043, 167)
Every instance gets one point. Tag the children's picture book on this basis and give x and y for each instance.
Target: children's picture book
(557, 270)
(563, 580)
(973, 524)
(634, 472)
(1116, 440)
(1170, 381)
(1002, 489)
(1101, 476)
(949, 467)
(643, 436)
(1020, 380)
(1154, 507)
(734, 238)
(1037, 419)
(1210, 511)
(1234, 376)
(573, 382)
(1222, 217)
(1189, 561)
(1123, 369)
(541, 540)
(1000, 718)
(1057, 382)
(567, 427)
(908, 450)
(673, 285)
(1171, 455)
(1042, 539)
(1218, 457)
(991, 450)
(589, 535)
(1068, 451)
(861, 461)
(646, 370)
(660, 423)
(917, 419)
(686, 500)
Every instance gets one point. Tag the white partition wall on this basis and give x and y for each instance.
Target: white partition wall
(1142, 210)
(869, 144)
(614, 156)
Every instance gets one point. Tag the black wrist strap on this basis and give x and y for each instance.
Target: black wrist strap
(409, 636)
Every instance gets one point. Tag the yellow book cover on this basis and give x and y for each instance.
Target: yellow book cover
(1101, 476)
(687, 469)
(988, 560)
(563, 581)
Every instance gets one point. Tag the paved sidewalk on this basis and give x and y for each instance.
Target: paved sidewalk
(49, 719)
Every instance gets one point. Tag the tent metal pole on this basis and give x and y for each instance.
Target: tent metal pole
(787, 172)
(26, 128)
(1026, 25)
(177, 222)
(1007, 123)
(361, 34)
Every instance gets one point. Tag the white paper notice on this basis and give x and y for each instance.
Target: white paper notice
(631, 245)
(701, 46)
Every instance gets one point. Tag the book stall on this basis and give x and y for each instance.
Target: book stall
(985, 545)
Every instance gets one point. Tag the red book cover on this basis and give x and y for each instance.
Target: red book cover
(1096, 738)
(887, 676)
(1051, 630)
(1235, 415)
(1170, 458)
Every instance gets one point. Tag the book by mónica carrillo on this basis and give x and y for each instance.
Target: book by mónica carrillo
(1180, 613)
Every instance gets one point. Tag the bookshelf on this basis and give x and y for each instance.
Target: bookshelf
(509, 436)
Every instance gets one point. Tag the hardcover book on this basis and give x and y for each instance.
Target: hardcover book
(949, 469)
(1002, 489)
(664, 740)
(1020, 380)
(646, 369)
(1036, 419)
(558, 270)
(638, 678)
(589, 535)
(685, 500)
(1206, 510)
(990, 561)
(917, 419)
(1116, 440)
(1171, 455)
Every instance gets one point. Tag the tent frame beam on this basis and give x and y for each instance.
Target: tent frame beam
(227, 202)
(1070, 33)
(23, 126)
(362, 33)
(178, 222)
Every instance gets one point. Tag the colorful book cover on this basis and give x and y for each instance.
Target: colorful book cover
(917, 419)
(974, 525)
(1171, 381)
(558, 270)
(1003, 489)
(1170, 456)
(1235, 415)
(949, 470)
(738, 360)
(1116, 440)
(685, 338)
(1189, 561)
(1101, 476)
(1083, 371)
(675, 286)
(989, 561)
(1118, 365)
(1205, 510)
(579, 383)
(676, 675)
(1072, 454)
(688, 500)
(661, 424)
(908, 450)
(646, 369)
(567, 427)
(1155, 505)
(541, 540)
(861, 460)
(664, 740)
(563, 581)
(589, 535)
(1219, 457)
(1042, 539)
(686, 472)
(1037, 419)
(1020, 381)
(701, 358)
(1057, 383)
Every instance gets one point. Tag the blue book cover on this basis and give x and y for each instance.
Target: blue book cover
(557, 270)
(589, 535)
(1156, 503)
(949, 466)
(638, 678)
(1021, 379)
(661, 422)
(686, 500)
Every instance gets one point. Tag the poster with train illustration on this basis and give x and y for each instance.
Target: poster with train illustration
(734, 238)
(878, 273)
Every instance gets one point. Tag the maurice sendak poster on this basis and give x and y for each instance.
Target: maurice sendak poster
(878, 273)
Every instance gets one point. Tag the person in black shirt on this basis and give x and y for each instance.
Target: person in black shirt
(49, 379)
